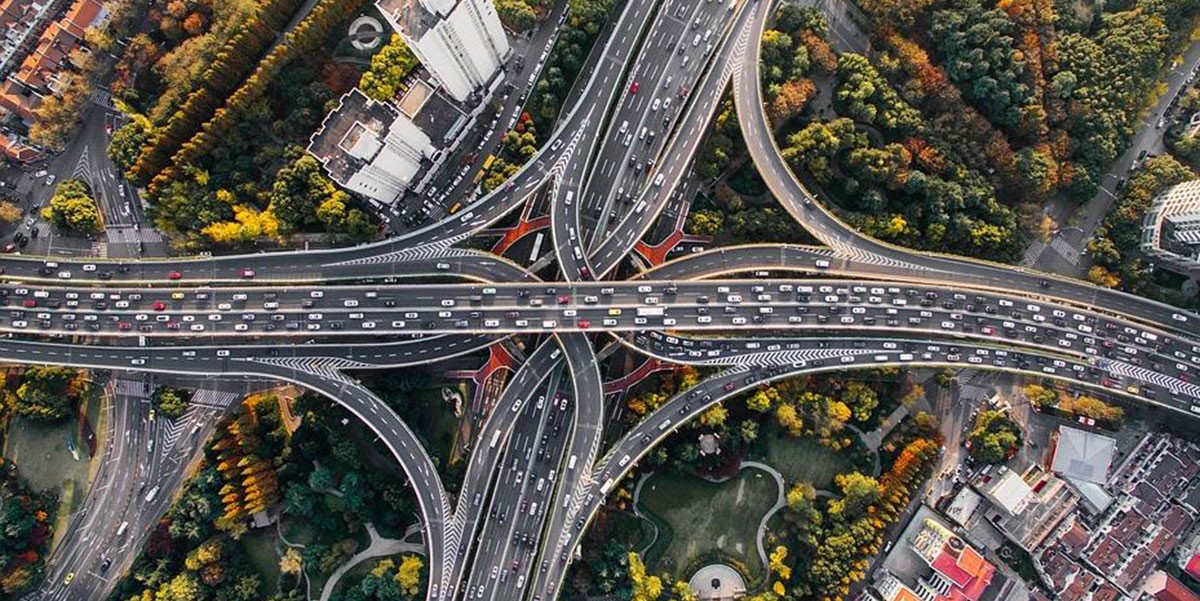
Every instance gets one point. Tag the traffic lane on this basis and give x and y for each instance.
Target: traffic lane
(482, 464)
(702, 104)
(1156, 388)
(827, 305)
(620, 162)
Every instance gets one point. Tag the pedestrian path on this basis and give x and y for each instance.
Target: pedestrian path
(378, 547)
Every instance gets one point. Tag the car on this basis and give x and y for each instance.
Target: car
(175, 275)
(158, 306)
(584, 324)
(50, 180)
(247, 273)
(564, 299)
(633, 88)
(89, 267)
(70, 575)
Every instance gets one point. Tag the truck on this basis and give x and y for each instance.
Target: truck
(150, 495)
(650, 311)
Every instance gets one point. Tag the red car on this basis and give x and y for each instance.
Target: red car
(728, 386)
(29, 303)
(564, 299)
(159, 306)
(247, 273)
(633, 88)
(174, 325)
(124, 326)
(174, 275)
(584, 324)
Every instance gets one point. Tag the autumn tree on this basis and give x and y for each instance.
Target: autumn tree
(72, 208)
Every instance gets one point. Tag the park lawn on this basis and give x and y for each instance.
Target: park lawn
(43, 455)
(705, 517)
(433, 420)
(260, 548)
(805, 460)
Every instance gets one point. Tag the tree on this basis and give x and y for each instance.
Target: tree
(388, 69)
(516, 14)
(714, 417)
(777, 558)
(789, 418)
(9, 212)
(858, 491)
(291, 562)
(705, 222)
(994, 437)
(72, 208)
(49, 393)
(645, 588)
(790, 99)
(172, 402)
(408, 576)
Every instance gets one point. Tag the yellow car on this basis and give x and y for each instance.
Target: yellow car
(69, 578)
(614, 311)
(177, 296)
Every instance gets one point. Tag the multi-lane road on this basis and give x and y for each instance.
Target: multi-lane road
(537, 473)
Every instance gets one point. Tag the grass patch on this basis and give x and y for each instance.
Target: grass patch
(53, 459)
(804, 459)
(298, 532)
(260, 548)
(707, 517)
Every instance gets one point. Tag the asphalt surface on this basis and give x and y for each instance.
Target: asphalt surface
(538, 474)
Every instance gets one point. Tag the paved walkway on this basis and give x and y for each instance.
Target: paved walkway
(379, 547)
(780, 503)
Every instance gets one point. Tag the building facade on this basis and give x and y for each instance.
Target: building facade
(461, 42)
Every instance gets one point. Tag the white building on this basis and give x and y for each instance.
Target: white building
(461, 42)
(1171, 228)
(370, 148)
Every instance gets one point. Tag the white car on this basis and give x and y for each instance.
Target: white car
(89, 267)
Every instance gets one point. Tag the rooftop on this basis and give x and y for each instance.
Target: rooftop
(1083, 455)
(1007, 490)
(1164, 587)
(349, 136)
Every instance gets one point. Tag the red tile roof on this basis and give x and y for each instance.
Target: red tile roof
(1193, 566)
(1170, 589)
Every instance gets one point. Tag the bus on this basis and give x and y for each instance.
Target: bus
(495, 439)
(650, 311)
(487, 164)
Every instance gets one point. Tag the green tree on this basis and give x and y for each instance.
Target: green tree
(172, 402)
(516, 14)
(129, 140)
(994, 437)
(388, 69)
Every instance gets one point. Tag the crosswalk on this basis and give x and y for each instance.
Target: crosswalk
(204, 402)
(1033, 253)
(130, 235)
(1064, 249)
(1058, 244)
(101, 97)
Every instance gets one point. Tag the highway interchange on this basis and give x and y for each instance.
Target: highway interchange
(537, 474)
